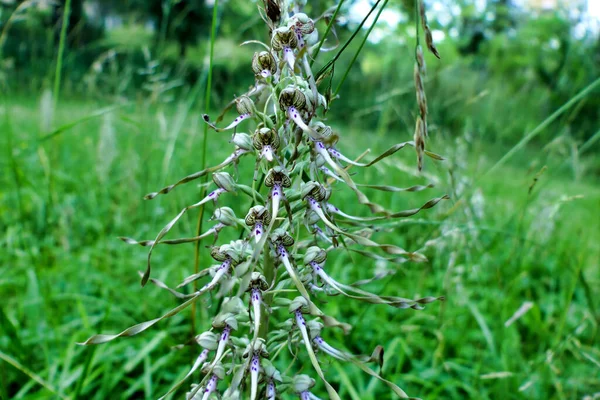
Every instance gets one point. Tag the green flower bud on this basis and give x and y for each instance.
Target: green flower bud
(217, 370)
(302, 383)
(258, 280)
(233, 305)
(314, 328)
(243, 141)
(224, 181)
(271, 371)
(314, 190)
(208, 340)
(244, 105)
(223, 319)
(225, 216)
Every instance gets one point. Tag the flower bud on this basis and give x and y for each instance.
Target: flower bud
(258, 214)
(244, 105)
(271, 371)
(314, 328)
(216, 369)
(303, 24)
(224, 181)
(302, 383)
(224, 319)
(243, 141)
(259, 281)
(233, 305)
(225, 216)
(208, 340)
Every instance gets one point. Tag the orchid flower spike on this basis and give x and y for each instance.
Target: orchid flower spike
(285, 40)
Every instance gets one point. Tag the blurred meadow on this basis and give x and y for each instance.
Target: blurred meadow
(102, 107)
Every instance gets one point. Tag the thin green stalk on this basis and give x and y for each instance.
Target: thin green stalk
(337, 90)
(61, 50)
(339, 53)
(544, 124)
(329, 26)
(213, 35)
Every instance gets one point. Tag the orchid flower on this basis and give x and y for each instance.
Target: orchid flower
(276, 179)
(245, 109)
(285, 40)
(256, 350)
(258, 284)
(264, 65)
(291, 101)
(218, 373)
(256, 219)
(266, 141)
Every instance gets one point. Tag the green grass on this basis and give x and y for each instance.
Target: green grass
(493, 248)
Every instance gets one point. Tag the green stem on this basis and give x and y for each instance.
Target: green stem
(329, 26)
(213, 35)
(61, 50)
(337, 90)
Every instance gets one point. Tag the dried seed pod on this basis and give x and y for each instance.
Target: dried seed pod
(292, 97)
(419, 138)
(264, 64)
(276, 176)
(427, 30)
(284, 37)
(420, 92)
(421, 60)
(265, 137)
(315, 254)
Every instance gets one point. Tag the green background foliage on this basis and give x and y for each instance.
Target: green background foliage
(522, 236)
